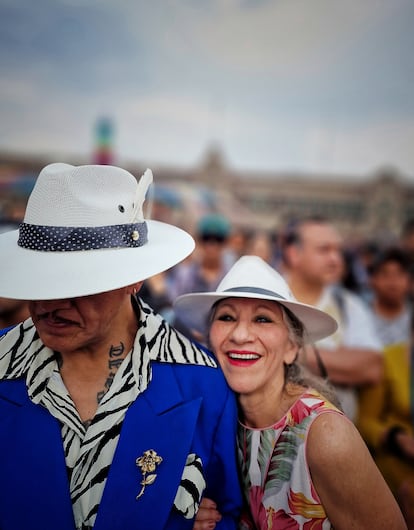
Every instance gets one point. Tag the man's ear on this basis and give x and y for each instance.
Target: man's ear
(134, 288)
(291, 255)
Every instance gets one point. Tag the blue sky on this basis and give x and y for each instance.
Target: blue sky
(305, 85)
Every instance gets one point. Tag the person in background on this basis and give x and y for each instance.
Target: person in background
(406, 242)
(386, 422)
(407, 238)
(12, 312)
(109, 418)
(204, 269)
(389, 276)
(164, 205)
(11, 213)
(261, 244)
(303, 463)
(155, 291)
(236, 244)
(207, 266)
(385, 410)
(360, 259)
(313, 266)
(350, 279)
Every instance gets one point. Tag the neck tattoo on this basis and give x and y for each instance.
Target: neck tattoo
(116, 357)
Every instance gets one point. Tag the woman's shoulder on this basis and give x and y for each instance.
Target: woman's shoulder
(332, 437)
(342, 468)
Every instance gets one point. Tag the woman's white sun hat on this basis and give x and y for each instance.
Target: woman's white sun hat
(84, 233)
(252, 277)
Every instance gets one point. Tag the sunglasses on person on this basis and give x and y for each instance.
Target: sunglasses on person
(212, 238)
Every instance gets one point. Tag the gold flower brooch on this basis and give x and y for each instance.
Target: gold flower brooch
(148, 463)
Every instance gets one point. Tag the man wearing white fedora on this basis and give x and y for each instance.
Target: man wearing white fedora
(109, 418)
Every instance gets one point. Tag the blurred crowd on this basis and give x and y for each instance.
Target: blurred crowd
(368, 289)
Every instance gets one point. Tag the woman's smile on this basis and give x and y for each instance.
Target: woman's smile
(251, 342)
(242, 357)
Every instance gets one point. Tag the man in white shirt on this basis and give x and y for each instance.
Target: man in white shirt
(352, 356)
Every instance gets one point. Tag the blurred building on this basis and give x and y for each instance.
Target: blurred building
(373, 206)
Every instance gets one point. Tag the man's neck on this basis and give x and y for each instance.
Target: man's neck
(387, 310)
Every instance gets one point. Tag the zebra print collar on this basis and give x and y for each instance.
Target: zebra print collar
(22, 353)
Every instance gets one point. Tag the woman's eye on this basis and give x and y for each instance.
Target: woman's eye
(224, 317)
(263, 319)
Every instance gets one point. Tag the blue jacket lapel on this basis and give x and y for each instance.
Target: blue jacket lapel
(161, 421)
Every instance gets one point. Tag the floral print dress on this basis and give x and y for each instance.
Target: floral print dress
(276, 479)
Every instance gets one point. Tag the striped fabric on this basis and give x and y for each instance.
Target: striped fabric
(89, 450)
(191, 487)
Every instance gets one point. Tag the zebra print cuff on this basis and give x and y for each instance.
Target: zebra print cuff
(190, 490)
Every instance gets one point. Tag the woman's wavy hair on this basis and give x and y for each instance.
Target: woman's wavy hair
(296, 373)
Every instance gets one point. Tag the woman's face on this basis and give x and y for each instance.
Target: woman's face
(252, 344)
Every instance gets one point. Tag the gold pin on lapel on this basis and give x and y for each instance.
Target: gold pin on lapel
(148, 463)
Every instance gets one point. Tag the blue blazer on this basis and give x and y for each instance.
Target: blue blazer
(186, 409)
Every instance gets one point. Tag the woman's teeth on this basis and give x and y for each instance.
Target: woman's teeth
(244, 356)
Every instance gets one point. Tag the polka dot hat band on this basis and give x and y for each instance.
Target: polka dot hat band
(63, 239)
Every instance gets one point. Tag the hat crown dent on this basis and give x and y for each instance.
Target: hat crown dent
(86, 196)
(253, 272)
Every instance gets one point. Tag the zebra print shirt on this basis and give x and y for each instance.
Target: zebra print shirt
(89, 450)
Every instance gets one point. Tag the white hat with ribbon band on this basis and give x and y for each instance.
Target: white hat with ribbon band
(84, 233)
(252, 277)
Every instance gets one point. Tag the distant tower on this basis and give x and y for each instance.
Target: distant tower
(104, 133)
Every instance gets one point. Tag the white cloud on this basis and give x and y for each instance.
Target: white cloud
(362, 149)
(292, 37)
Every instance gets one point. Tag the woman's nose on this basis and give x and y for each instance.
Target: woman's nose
(241, 331)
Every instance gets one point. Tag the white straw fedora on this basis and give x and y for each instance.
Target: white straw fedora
(84, 233)
(252, 277)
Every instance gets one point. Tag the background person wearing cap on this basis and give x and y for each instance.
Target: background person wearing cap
(207, 265)
(109, 418)
(303, 463)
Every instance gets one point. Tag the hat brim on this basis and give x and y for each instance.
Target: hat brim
(194, 310)
(37, 275)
